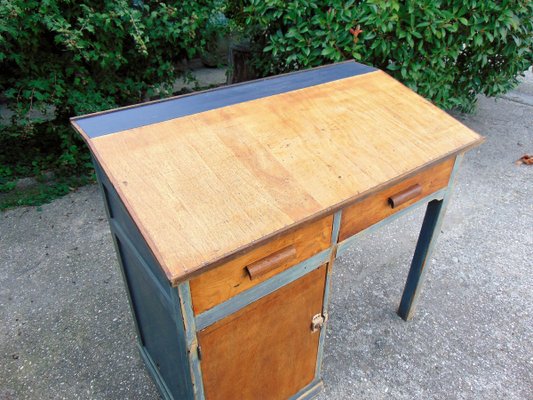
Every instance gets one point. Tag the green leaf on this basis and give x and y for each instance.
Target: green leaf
(328, 52)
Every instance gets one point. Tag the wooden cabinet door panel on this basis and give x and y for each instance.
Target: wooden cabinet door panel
(266, 350)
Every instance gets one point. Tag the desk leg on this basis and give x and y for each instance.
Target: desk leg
(424, 248)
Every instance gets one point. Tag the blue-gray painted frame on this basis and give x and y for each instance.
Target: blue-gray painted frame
(424, 248)
(327, 286)
(125, 118)
(183, 298)
(309, 391)
(241, 300)
(336, 227)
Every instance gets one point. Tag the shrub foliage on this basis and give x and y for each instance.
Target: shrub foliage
(447, 50)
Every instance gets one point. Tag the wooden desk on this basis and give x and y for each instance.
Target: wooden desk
(228, 208)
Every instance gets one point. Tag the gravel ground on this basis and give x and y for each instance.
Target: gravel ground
(66, 331)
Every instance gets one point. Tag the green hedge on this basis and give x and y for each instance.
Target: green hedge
(60, 58)
(448, 51)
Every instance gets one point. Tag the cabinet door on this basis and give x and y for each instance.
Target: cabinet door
(266, 350)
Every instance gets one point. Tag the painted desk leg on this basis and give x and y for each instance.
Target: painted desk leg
(424, 248)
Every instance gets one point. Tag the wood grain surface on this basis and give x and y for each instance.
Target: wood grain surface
(204, 187)
(266, 350)
(221, 283)
(376, 207)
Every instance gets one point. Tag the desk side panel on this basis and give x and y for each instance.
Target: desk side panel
(159, 322)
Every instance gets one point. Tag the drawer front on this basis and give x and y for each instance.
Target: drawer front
(222, 283)
(266, 350)
(388, 201)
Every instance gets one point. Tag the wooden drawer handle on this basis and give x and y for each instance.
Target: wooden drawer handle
(405, 195)
(263, 266)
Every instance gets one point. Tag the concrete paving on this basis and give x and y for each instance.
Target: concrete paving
(524, 92)
(66, 330)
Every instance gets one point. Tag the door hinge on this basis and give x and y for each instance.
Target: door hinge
(318, 321)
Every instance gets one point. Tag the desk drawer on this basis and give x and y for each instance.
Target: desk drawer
(388, 201)
(222, 283)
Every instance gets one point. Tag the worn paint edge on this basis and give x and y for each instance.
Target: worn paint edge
(327, 287)
(424, 248)
(310, 391)
(154, 372)
(336, 227)
(241, 300)
(185, 302)
(345, 244)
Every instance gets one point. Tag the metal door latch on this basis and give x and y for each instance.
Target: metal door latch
(317, 322)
